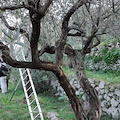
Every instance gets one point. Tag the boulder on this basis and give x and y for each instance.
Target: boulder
(52, 116)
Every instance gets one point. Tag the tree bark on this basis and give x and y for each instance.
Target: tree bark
(92, 105)
(70, 92)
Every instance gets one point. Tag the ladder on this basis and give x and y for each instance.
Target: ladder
(29, 90)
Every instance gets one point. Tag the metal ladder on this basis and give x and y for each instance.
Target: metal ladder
(30, 93)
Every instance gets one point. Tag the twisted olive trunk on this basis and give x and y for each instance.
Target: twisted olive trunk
(92, 103)
(70, 92)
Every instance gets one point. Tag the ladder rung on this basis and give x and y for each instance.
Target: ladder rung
(24, 72)
(25, 77)
(27, 83)
(30, 95)
(34, 108)
(36, 116)
(29, 88)
(32, 101)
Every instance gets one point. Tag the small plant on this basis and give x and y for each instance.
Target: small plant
(111, 56)
(96, 59)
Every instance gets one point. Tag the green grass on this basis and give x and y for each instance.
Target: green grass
(107, 77)
(17, 109)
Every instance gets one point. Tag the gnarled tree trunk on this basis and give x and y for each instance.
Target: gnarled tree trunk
(92, 105)
(70, 92)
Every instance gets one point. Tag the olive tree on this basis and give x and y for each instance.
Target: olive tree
(91, 22)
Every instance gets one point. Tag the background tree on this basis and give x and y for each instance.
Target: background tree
(85, 25)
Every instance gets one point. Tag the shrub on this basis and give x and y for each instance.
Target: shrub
(111, 56)
(96, 59)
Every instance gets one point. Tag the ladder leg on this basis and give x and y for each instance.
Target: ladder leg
(15, 89)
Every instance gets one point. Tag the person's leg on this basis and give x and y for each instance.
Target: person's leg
(3, 84)
(0, 84)
(7, 83)
(0, 103)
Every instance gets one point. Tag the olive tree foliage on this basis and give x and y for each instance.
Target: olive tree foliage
(51, 27)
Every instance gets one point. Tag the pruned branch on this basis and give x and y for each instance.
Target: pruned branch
(51, 50)
(48, 49)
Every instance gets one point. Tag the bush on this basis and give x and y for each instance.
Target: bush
(96, 59)
(111, 56)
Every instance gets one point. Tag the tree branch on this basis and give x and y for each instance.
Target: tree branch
(60, 44)
(90, 39)
(23, 64)
(48, 49)
(66, 19)
(98, 42)
(13, 28)
(14, 7)
(79, 33)
(45, 7)
(51, 50)
(23, 5)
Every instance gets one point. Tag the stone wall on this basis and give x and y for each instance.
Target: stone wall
(89, 64)
(109, 94)
(102, 66)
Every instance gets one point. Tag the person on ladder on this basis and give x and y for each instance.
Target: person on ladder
(3, 77)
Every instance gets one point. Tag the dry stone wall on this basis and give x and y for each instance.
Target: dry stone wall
(101, 65)
(108, 94)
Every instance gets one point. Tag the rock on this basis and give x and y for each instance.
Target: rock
(101, 84)
(117, 92)
(102, 91)
(114, 103)
(100, 96)
(106, 97)
(97, 88)
(54, 83)
(104, 109)
(112, 111)
(103, 103)
(110, 94)
(52, 116)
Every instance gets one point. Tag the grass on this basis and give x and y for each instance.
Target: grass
(17, 109)
(107, 77)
